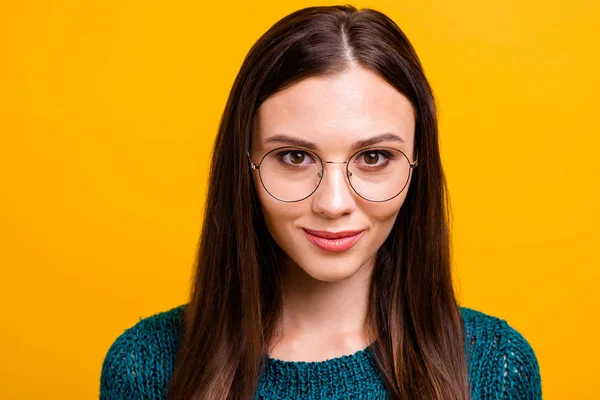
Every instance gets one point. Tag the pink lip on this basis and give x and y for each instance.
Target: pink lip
(333, 242)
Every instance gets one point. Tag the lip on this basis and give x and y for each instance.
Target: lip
(335, 242)
(333, 235)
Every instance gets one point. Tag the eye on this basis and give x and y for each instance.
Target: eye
(375, 158)
(295, 157)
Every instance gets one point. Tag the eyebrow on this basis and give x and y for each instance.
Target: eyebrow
(384, 137)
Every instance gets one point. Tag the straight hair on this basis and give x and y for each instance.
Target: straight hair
(235, 299)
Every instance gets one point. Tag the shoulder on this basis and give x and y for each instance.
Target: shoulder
(140, 361)
(501, 361)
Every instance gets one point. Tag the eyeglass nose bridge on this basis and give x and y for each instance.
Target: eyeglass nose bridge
(349, 173)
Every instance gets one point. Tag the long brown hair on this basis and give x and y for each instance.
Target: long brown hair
(236, 295)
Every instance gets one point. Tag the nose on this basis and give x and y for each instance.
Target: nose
(334, 196)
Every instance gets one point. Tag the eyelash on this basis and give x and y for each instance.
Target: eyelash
(388, 156)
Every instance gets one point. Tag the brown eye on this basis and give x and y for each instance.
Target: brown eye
(371, 158)
(296, 157)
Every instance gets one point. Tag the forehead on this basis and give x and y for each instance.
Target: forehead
(334, 112)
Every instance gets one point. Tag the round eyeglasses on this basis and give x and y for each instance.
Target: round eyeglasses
(291, 174)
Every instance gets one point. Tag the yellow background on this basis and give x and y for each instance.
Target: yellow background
(109, 110)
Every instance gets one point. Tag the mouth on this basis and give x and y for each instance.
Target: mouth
(334, 242)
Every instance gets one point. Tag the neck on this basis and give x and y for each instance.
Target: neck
(328, 317)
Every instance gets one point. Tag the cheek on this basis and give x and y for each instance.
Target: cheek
(383, 217)
(278, 215)
(385, 212)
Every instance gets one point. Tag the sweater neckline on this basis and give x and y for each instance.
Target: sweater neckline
(336, 377)
(362, 354)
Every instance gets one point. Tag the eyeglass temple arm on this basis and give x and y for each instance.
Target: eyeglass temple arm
(252, 165)
(416, 162)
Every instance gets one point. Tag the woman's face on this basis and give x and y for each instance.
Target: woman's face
(332, 114)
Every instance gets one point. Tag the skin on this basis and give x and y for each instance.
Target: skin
(325, 294)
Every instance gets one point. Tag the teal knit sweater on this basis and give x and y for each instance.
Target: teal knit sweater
(502, 365)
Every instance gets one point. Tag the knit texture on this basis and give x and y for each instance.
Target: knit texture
(501, 365)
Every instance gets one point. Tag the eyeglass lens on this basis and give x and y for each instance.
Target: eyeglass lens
(376, 174)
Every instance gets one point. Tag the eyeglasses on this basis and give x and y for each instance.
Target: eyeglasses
(291, 174)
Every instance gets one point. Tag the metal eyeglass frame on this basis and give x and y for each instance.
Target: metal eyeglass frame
(412, 165)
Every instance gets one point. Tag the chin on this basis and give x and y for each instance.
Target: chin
(332, 276)
(329, 269)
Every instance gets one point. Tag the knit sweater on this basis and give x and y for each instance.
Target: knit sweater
(501, 365)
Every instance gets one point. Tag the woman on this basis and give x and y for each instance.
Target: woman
(324, 266)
